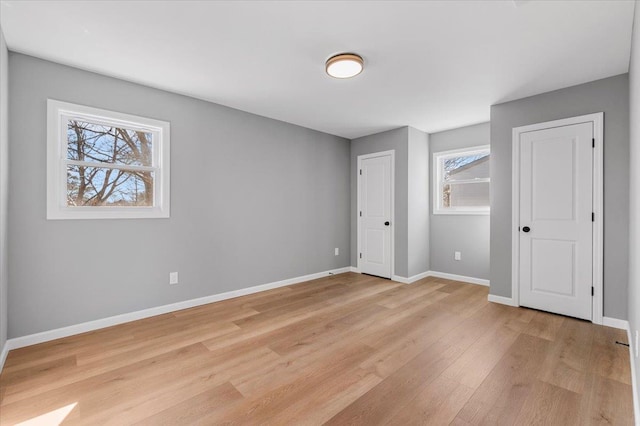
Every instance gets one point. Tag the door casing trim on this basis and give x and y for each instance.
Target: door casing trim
(597, 120)
(391, 153)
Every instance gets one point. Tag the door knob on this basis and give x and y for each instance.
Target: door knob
(386, 223)
(526, 229)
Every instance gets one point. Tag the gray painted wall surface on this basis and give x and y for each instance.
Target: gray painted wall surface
(610, 95)
(468, 234)
(411, 248)
(418, 199)
(634, 186)
(397, 140)
(253, 200)
(4, 190)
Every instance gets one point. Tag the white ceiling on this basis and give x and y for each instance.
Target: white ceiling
(432, 65)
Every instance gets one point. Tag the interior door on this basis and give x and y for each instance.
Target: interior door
(375, 216)
(556, 224)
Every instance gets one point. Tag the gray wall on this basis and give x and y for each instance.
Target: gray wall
(411, 248)
(4, 189)
(468, 234)
(418, 199)
(634, 189)
(253, 200)
(397, 140)
(610, 95)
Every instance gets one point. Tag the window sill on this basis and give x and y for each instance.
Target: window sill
(107, 213)
(462, 212)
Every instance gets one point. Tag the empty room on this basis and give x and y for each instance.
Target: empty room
(319, 212)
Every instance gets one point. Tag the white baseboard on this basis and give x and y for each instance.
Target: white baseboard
(414, 278)
(318, 275)
(624, 325)
(3, 355)
(455, 277)
(409, 280)
(399, 279)
(45, 336)
(418, 277)
(634, 381)
(354, 269)
(615, 323)
(502, 300)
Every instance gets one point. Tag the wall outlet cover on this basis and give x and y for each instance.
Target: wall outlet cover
(337, 251)
(173, 278)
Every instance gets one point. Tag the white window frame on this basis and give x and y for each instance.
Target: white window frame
(58, 114)
(438, 162)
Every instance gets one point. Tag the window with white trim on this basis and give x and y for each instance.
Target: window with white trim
(461, 181)
(105, 165)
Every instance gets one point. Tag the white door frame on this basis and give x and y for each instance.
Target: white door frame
(597, 120)
(391, 153)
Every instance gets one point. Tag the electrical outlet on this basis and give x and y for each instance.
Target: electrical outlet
(337, 251)
(457, 255)
(173, 278)
(636, 348)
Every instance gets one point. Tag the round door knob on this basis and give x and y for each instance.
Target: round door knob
(526, 229)
(386, 223)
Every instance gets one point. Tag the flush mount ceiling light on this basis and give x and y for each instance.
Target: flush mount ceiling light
(344, 65)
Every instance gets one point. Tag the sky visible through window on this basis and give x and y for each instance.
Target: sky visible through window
(454, 163)
(108, 186)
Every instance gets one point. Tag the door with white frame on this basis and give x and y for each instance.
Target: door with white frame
(375, 213)
(557, 203)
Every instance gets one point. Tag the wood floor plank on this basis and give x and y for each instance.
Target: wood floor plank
(545, 325)
(408, 340)
(316, 412)
(173, 388)
(329, 329)
(46, 368)
(437, 404)
(193, 409)
(404, 316)
(609, 359)
(568, 358)
(277, 400)
(404, 295)
(475, 364)
(318, 405)
(606, 402)
(345, 349)
(477, 325)
(338, 335)
(138, 351)
(550, 405)
(466, 301)
(97, 390)
(449, 286)
(310, 296)
(381, 403)
(500, 397)
(177, 337)
(289, 368)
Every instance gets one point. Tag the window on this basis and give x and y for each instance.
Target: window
(461, 184)
(105, 165)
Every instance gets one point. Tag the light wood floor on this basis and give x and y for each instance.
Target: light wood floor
(347, 349)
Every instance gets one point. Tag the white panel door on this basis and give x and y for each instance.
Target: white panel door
(556, 248)
(375, 220)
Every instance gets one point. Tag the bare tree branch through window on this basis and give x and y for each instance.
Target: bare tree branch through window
(116, 178)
